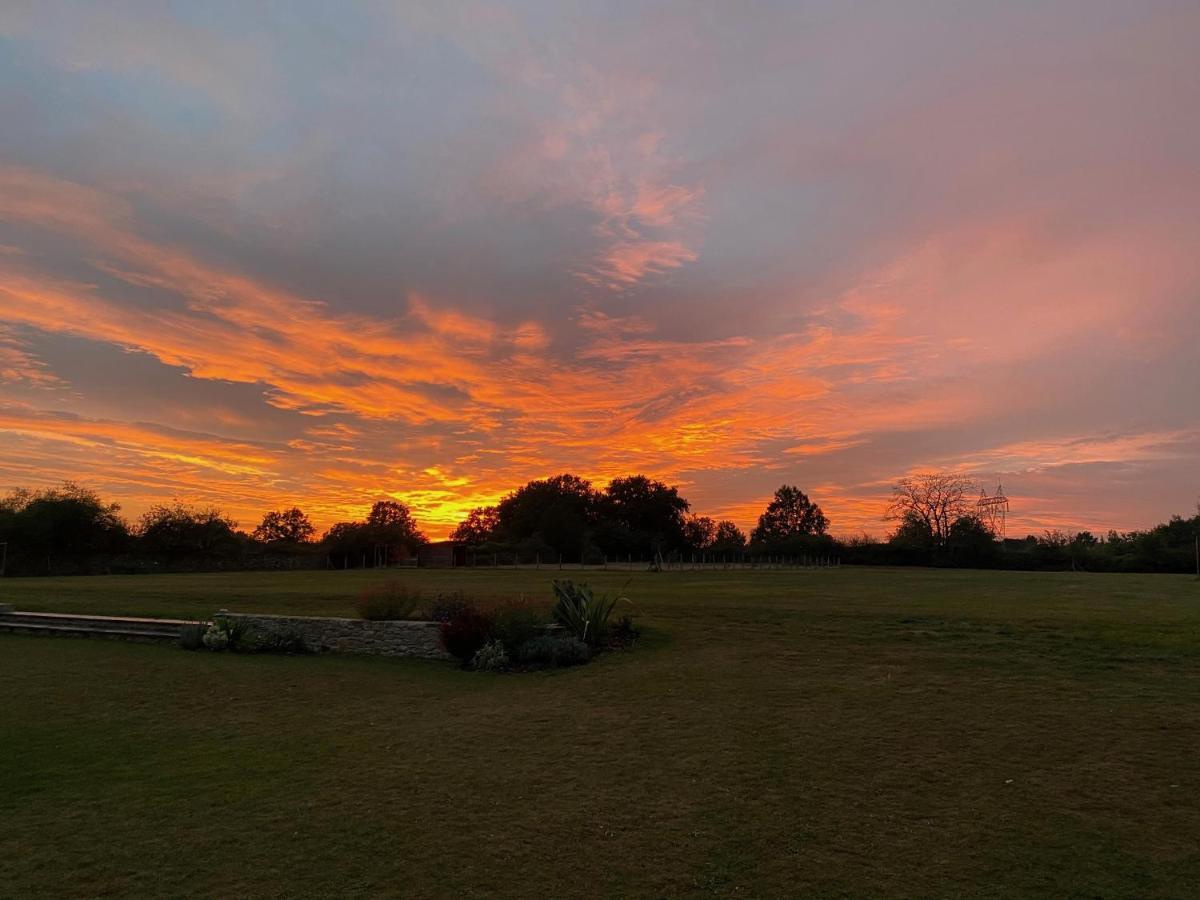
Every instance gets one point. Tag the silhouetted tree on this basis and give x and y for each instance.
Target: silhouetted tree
(790, 514)
(58, 526)
(938, 500)
(289, 525)
(913, 532)
(642, 516)
(557, 513)
(971, 543)
(699, 533)
(390, 524)
(479, 527)
(729, 538)
(389, 535)
(394, 515)
(184, 531)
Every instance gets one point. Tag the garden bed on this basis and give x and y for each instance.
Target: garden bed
(504, 637)
(401, 638)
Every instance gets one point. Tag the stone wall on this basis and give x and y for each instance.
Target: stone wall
(419, 639)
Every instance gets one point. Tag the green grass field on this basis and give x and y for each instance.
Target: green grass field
(852, 732)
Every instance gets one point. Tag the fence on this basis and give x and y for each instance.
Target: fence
(632, 563)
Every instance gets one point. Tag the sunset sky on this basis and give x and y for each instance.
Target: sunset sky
(263, 254)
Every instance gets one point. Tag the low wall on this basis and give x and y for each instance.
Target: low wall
(419, 639)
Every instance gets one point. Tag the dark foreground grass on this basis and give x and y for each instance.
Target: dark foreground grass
(837, 733)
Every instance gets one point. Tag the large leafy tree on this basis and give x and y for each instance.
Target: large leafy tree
(67, 522)
(180, 530)
(389, 534)
(971, 543)
(790, 514)
(699, 533)
(288, 525)
(558, 513)
(391, 523)
(643, 515)
(479, 527)
(913, 533)
(728, 538)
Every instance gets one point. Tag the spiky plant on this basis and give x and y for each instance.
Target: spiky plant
(581, 612)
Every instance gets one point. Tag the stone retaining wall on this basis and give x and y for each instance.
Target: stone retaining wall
(419, 639)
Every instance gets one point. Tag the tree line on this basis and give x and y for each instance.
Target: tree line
(71, 529)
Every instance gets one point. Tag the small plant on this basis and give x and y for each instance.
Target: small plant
(581, 612)
(464, 634)
(191, 637)
(446, 606)
(491, 657)
(215, 638)
(554, 650)
(229, 634)
(625, 633)
(516, 624)
(289, 642)
(387, 602)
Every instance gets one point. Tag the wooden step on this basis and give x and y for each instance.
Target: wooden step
(68, 624)
(128, 634)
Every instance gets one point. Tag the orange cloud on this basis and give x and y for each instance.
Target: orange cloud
(458, 408)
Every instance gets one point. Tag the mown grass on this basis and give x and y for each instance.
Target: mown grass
(857, 732)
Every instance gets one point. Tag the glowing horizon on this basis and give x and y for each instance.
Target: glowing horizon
(371, 252)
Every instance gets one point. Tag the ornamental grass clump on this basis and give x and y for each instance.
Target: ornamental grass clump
(582, 613)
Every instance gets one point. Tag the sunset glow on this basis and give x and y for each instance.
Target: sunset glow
(415, 253)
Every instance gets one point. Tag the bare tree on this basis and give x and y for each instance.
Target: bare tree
(935, 500)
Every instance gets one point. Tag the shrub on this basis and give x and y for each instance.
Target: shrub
(625, 633)
(581, 612)
(490, 657)
(514, 625)
(290, 642)
(465, 633)
(446, 606)
(229, 634)
(553, 650)
(388, 601)
(216, 638)
(191, 637)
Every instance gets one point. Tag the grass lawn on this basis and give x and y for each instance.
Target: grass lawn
(852, 732)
